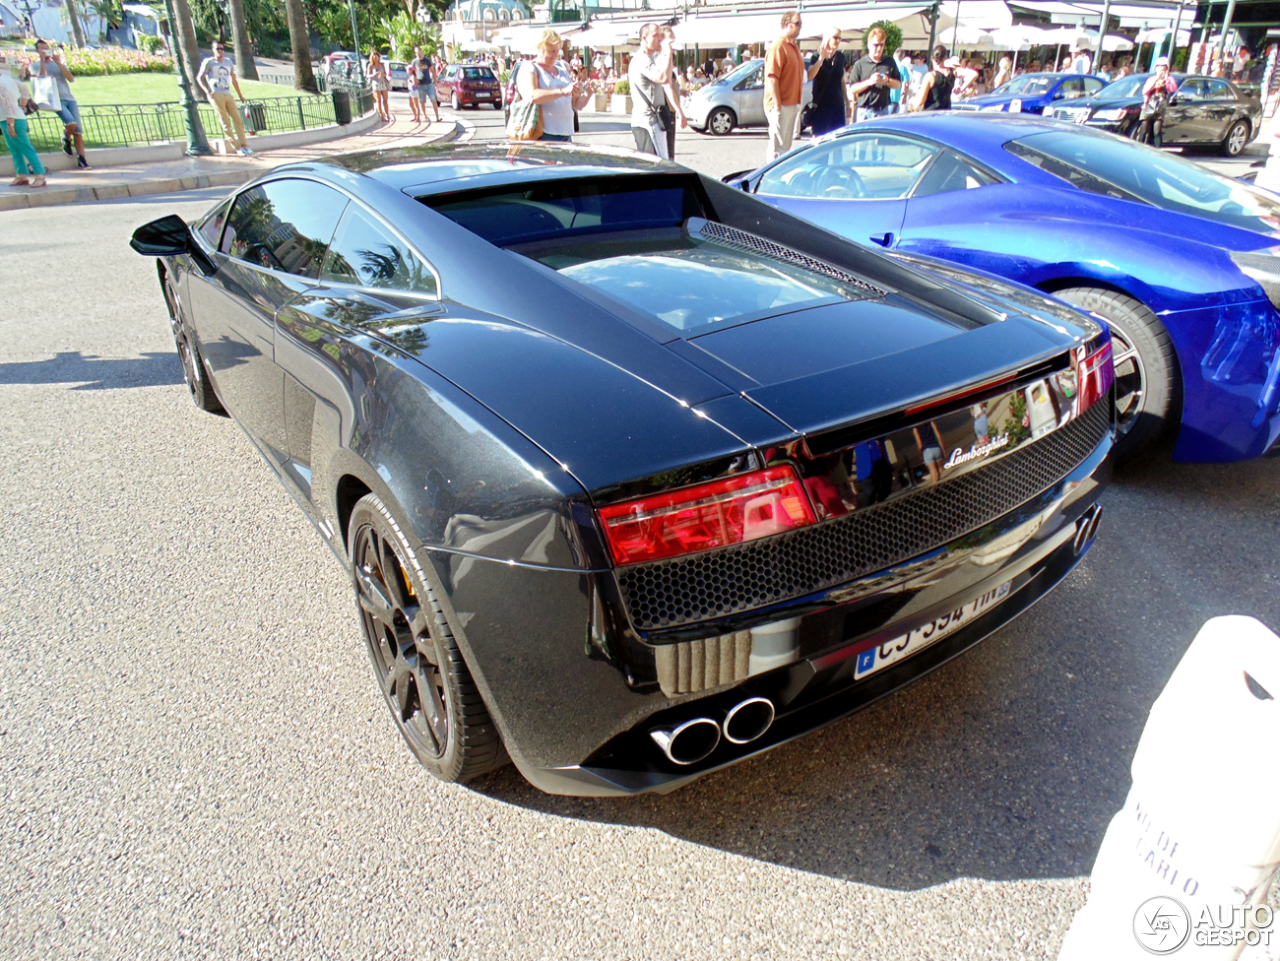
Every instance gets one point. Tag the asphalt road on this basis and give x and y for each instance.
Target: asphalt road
(196, 762)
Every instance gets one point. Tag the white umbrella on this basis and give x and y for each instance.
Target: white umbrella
(1019, 38)
(966, 38)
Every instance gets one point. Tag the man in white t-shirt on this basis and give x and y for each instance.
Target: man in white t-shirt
(649, 74)
(216, 77)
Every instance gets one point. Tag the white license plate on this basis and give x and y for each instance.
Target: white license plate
(1015, 106)
(483, 94)
(890, 652)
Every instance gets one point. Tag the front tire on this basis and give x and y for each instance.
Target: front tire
(721, 121)
(454, 102)
(419, 668)
(194, 372)
(1148, 378)
(1236, 139)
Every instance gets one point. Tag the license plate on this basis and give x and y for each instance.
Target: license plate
(1015, 106)
(483, 94)
(890, 652)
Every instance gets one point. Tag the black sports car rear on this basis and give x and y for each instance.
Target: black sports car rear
(635, 475)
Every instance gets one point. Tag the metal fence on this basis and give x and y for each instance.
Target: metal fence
(134, 124)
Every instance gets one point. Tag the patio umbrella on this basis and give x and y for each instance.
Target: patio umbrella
(1018, 38)
(966, 38)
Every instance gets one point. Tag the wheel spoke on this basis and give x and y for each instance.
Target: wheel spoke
(373, 599)
(434, 716)
(1128, 353)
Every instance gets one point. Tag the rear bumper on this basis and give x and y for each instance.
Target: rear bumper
(1033, 548)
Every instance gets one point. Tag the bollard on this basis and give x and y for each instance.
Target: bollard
(1186, 865)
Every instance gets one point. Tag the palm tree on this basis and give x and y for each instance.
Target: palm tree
(303, 78)
(245, 66)
(76, 29)
(184, 32)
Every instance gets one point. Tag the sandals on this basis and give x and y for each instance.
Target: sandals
(19, 181)
(39, 182)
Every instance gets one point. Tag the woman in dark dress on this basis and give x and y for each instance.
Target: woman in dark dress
(935, 90)
(830, 99)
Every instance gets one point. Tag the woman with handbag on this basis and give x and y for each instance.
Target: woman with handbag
(13, 96)
(548, 96)
(1155, 98)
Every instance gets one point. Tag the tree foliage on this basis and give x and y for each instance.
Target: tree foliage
(892, 35)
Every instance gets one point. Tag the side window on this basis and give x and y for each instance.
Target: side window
(1191, 90)
(1092, 85)
(210, 228)
(753, 80)
(951, 172)
(284, 225)
(366, 253)
(861, 166)
(1218, 90)
(1071, 88)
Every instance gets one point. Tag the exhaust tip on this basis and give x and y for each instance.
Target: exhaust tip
(748, 720)
(1086, 527)
(687, 743)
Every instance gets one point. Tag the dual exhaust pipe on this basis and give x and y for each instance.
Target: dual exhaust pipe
(690, 741)
(1086, 527)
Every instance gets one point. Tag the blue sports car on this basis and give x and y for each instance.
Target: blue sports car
(1183, 263)
(1033, 92)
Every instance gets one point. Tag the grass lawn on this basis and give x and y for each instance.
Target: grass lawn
(157, 88)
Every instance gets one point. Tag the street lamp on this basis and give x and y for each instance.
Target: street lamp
(197, 144)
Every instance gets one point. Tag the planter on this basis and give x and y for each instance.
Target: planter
(602, 103)
(621, 104)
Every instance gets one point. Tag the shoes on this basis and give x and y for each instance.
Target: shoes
(82, 163)
(66, 144)
(245, 152)
(39, 182)
(19, 182)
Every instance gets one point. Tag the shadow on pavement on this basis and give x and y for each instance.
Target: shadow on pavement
(1008, 762)
(96, 373)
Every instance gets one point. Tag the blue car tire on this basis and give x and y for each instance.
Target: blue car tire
(1148, 380)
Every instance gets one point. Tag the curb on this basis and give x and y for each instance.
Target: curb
(74, 195)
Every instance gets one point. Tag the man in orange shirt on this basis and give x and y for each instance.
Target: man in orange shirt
(783, 85)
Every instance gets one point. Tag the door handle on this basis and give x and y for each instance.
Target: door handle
(884, 240)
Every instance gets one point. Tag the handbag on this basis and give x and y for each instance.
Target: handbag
(46, 93)
(666, 116)
(526, 121)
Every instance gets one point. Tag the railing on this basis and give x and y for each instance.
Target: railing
(126, 125)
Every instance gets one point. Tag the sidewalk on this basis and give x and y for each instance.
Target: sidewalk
(189, 173)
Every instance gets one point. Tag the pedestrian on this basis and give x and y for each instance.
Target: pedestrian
(875, 76)
(1155, 98)
(784, 72)
(900, 97)
(424, 69)
(830, 99)
(673, 89)
(52, 65)
(1081, 62)
(411, 89)
(966, 81)
(13, 96)
(1240, 63)
(650, 78)
(935, 89)
(381, 84)
(550, 85)
(1004, 74)
(216, 77)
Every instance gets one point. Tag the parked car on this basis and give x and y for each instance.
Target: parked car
(469, 85)
(734, 100)
(1180, 261)
(1205, 110)
(341, 64)
(692, 480)
(398, 74)
(1034, 93)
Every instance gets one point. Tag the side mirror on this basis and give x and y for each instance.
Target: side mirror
(1059, 95)
(166, 237)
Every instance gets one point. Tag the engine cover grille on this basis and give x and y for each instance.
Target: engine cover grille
(759, 573)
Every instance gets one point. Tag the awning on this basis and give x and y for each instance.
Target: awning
(725, 30)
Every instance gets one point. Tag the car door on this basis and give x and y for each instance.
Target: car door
(1182, 118)
(855, 185)
(748, 98)
(956, 212)
(1219, 109)
(1071, 88)
(444, 83)
(271, 250)
(372, 283)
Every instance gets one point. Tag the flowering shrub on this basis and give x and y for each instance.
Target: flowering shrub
(108, 61)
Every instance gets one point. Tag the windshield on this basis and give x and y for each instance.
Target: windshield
(1028, 84)
(740, 72)
(1123, 89)
(1112, 166)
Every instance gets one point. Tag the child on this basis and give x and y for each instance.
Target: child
(414, 105)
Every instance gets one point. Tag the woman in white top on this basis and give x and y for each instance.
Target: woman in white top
(550, 85)
(12, 95)
(381, 85)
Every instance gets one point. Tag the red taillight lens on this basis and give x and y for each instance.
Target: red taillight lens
(707, 516)
(1095, 377)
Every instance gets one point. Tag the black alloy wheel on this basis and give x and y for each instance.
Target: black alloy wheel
(1236, 139)
(416, 660)
(1148, 378)
(194, 373)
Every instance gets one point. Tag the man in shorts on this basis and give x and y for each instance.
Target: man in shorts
(50, 64)
(426, 73)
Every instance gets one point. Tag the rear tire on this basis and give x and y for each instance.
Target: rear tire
(420, 670)
(1148, 377)
(1236, 139)
(194, 372)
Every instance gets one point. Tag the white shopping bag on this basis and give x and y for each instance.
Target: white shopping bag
(46, 93)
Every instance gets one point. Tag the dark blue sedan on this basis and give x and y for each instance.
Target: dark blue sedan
(1034, 92)
(1183, 263)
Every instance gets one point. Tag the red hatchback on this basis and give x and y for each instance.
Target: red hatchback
(469, 85)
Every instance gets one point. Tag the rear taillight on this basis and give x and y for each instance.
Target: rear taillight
(1095, 375)
(724, 512)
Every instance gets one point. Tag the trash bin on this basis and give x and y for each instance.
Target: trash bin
(255, 117)
(341, 107)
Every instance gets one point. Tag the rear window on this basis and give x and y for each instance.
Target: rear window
(1123, 89)
(477, 73)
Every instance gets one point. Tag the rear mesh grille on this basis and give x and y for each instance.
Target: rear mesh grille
(719, 583)
(733, 237)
